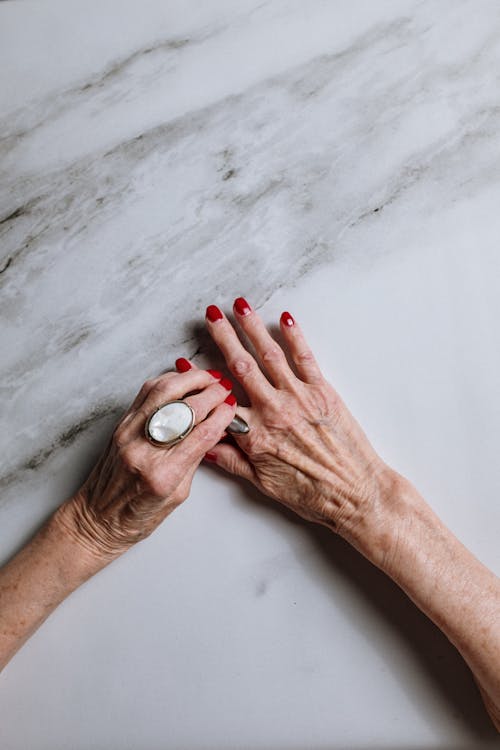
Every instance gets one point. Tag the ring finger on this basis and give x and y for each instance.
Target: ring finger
(183, 365)
(270, 354)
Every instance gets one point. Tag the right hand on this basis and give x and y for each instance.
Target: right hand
(304, 448)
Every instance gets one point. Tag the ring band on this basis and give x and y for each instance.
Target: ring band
(170, 423)
(238, 426)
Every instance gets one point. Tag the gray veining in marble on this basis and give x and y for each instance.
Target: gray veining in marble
(282, 150)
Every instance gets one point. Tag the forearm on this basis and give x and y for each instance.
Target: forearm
(456, 591)
(37, 580)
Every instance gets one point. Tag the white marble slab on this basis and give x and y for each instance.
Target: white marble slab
(338, 159)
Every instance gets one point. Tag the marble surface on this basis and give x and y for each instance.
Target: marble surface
(338, 159)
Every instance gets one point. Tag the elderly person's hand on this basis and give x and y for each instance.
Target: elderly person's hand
(135, 484)
(133, 487)
(306, 450)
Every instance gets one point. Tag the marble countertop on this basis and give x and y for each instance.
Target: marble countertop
(337, 159)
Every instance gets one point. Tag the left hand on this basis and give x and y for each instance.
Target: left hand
(135, 485)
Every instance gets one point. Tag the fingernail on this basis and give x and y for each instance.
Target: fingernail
(211, 457)
(213, 313)
(242, 307)
(227, 384)
(231, 400)
(182, 364)
(215, 374)
(287, 320)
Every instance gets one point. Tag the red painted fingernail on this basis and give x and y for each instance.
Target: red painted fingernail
(215, 374)
(231, 400)
(213, 313)
(241, 306)
(287, 320)
(211, 457)
(227, 384)
(183, 365)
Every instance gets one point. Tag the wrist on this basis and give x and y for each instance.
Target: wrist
(391, 514)
(37, 579)
(74, 537)
(403, 536)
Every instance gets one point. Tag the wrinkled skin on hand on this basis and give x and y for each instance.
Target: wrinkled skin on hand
(306, 450)
(135, 485)
(304, 447)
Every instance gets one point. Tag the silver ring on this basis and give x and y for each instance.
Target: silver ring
(170, 423)
(238, 426)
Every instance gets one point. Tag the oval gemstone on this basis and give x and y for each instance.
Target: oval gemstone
(170, 422)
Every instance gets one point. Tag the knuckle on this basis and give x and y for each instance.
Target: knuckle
(241, 367)
(131, 459)
(158, 387)
(232, 465)
(154, 484)
(304, 357)
(256, 446)
(119, 437)
(272, 354)
(206, 433)
(148, 384)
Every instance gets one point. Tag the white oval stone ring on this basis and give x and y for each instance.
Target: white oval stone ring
(170, 423)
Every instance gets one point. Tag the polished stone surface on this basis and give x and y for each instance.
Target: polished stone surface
(340, 160)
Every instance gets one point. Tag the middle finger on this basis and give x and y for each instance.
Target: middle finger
(205, 402)
(269, 352)
(240, 362)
